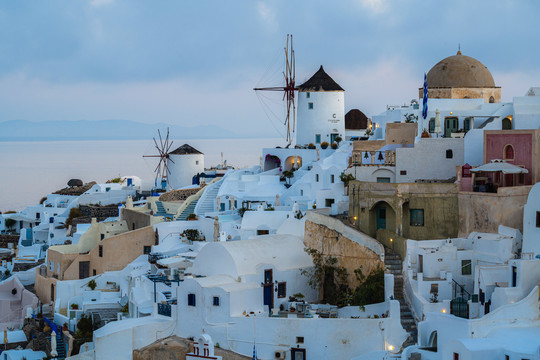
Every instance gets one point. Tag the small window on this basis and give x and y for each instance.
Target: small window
(310, 106)
(51, 265)
(299, 339)
(147, 250)
(432, 125)
(215, 301)
(538, 219)
(383, 179)
(328, 202)
(196, 162)
(191, 299)
(434, 289)
(281, 289)
(308, 95)
(58, 268)
(94, 272)
(316, 177)
(449, 154)
(317, 138)
(403, 172)
(332, 178)
(509, 152)
(100, 250)
(301, 192)
(107, 189)
(102, 236)
(466, 267)
(38, 215)
(467, 124)
(263, 232)
(417, 217)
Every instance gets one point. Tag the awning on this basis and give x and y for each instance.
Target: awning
(500, 166)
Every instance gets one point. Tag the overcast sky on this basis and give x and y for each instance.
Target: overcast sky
(196, 62)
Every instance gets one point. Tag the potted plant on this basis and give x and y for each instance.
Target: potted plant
(334, 145)
(191, 217)
(324, 145)
(75, 306)
(311, 146)
(338, 139)
(425, 134)
(92, 284)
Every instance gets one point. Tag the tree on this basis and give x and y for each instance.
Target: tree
(288, 175)
(346, 178)
(10, 223)
(410, 118)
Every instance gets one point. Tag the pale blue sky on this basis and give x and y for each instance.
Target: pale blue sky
(196, 62)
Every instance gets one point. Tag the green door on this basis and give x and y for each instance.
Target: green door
(450, 126)
(381, 217)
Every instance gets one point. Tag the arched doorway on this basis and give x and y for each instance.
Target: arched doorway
(382, 216)
(507, 123)
(432, 343)
(293, 162)
(271, 162)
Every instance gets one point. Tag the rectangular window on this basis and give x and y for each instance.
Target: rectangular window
(268, 276)
(383, 179)
(58, 268)
(191, 299)
(215, 301)
(467, 124)
(449, 154)
(328, 202)
(147, 250)
(196, 162)
(107, 189)
(403, 172)
(94, 272)
(263, 232)
(456, 356)
(38, 215)
(310, 106)
(432, 125)
(316, 177)
(308, 95)
(100, 250)
(434, 289)
(538, 219)
(317, 138)
(332, 178)
(299, 339)
(417, 217)
(466, 267)
(51, 265)
(281, 289)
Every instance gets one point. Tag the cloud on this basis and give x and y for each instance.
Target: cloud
(98, 3)
(375, 6)
(268, 15)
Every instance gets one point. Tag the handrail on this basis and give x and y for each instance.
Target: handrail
(204, 196)
(462, 290)
(192, 198)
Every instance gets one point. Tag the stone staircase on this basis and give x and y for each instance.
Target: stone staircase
(393, 263)
(190, 209)
(208, 201)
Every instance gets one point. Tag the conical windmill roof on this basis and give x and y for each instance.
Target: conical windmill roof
(185, 150)
(320, 81)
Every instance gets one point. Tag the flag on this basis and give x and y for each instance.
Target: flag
(254, 353)
(424, 102)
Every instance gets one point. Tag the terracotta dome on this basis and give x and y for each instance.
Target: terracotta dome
(459, 71)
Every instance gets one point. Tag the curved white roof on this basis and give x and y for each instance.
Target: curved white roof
(239, 258)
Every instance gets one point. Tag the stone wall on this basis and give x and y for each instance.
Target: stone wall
(135, 219)
(484, 212)
(99, 211)
(437, 200)
(353, 249)
(9, 239)
(176, 348)
(178, 195)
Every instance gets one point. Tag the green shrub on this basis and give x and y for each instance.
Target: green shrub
(92, 284)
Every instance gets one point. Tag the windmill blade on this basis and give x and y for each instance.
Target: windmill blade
(160, 140)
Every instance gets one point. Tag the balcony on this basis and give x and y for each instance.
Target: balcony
(373, 158)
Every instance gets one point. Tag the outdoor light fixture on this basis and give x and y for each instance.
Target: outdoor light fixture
(391, 347)
(391, 240)
(443, 311)
(355, 218)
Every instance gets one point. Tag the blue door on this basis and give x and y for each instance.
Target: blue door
(129, 181)
(268, 290)
(381, 217)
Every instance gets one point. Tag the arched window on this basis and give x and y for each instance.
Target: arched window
(491, 99)
(508, 152)
(507, 123)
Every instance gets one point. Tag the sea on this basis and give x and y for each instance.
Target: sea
(31, 170)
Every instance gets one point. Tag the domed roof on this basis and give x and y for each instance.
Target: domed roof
(459, 71)
(356, 120)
